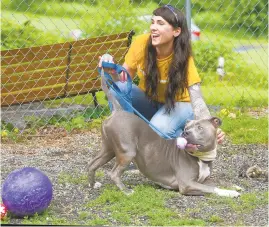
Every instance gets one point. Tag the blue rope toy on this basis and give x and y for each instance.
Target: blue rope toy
(125, 96)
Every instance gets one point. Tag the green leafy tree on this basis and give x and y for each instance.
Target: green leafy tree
(116, 16)
(248, 14)
(252, 15)
(14, 36)
(216, 5)
(21, 5)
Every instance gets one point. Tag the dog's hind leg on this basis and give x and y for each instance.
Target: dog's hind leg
(122, 162)
(102, 158)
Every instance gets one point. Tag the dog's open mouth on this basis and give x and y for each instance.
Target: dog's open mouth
(191, 145)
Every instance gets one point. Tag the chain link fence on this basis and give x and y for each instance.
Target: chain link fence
(229, 43)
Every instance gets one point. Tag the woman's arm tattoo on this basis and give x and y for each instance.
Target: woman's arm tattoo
(198, 104)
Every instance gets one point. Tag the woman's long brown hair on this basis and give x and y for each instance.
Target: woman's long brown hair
(177, 75)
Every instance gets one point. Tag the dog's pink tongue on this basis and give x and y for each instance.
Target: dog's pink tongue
(189, 145)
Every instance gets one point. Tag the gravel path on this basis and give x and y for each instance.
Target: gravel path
(57, 152)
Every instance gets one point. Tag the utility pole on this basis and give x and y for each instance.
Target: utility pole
(188, 13)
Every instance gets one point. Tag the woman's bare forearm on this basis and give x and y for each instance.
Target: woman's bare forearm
(129, 70)
(198, 104)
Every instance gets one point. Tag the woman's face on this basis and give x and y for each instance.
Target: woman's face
(162, 33)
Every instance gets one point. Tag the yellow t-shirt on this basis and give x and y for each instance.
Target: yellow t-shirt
(135, 59)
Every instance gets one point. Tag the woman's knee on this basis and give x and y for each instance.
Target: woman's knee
(172, 125)
(163, 129)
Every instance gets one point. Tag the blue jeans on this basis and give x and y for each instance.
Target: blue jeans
(170, 124)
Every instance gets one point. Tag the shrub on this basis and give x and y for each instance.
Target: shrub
(89, 2)
(251, 15)
(206, 54)
(21, 5)
(14, 36)
(178, 4)
(36, 6)
(114, 24)
(201, 6)
(121, 17)
(248, 15)
(238, 72)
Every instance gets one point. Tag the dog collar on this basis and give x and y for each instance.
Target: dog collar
(205, 156)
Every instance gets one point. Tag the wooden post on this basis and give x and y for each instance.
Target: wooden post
(95, 99)
(67, 70)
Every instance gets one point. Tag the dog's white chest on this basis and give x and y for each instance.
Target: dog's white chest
(204, 171)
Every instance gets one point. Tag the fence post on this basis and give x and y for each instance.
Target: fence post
(68, 69)
(188, 13)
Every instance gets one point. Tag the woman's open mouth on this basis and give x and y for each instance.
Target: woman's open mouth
(155, 36)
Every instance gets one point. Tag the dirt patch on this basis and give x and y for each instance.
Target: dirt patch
(69, 154)
(259, 112)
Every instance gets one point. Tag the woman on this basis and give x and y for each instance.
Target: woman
(168, 93)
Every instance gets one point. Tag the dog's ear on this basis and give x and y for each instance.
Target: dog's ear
(215, 121)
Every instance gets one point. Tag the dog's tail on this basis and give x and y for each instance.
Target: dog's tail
(111, 98)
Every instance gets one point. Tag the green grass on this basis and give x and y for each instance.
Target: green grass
(246, 129)
(214, 27)
(85, 100)
(146, 206)
(45, 218)
(258, 58)
(221, 94)
(76, 178)
(56, 25)
(146, 203)
(246, 203)
(215, 219)
(62, 18)
(67, 178)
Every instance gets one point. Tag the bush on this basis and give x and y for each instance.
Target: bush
(114, 24)
(35, 5)
(206, 54)
(60, 8)
(251, 15)
(238, 72)
(19, 36)
(89, 2)
(120, 17)
(203, 6)
(177, 4)
(234, 15)
(21, 5)
(214, 24)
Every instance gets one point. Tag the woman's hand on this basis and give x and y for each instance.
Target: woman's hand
(110, 60)
(220, 136)
(122, 77)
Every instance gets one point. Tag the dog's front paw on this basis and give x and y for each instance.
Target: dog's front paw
(227, 193)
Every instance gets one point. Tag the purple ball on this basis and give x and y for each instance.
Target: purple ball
(26, 191)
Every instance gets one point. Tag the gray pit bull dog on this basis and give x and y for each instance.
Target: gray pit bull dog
(130, 139)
